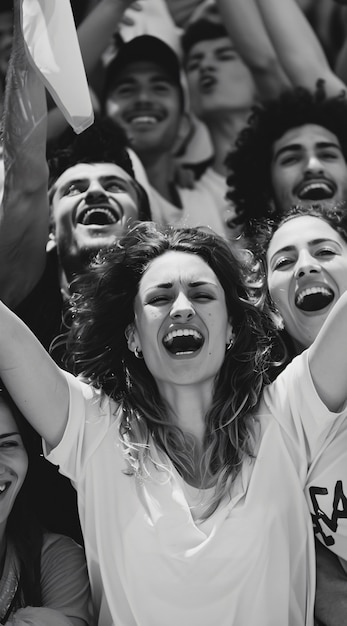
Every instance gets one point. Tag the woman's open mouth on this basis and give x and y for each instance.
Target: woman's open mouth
(314, 298)
(183, 341)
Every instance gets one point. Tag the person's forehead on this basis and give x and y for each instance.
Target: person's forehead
(302, 230)
(200, 47)
(304, 134)
(173, 266)
(92, 170)
(143, 68)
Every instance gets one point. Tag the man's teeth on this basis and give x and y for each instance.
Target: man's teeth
(314, 191)
(3, 487)
(144, 119)
(98, 215)
(182, 332)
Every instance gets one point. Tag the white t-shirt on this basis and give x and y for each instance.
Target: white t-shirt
(326, 491)
(202, 206)
(215, 184)
(151, 563)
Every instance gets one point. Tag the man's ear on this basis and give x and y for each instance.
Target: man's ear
(132, 338)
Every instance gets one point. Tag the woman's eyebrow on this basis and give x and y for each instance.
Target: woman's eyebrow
(8, 435)
(200, 283)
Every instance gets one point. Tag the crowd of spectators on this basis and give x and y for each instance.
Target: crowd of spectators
(225, 116)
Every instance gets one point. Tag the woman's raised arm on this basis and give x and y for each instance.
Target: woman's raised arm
(328, 357)
(35, 382)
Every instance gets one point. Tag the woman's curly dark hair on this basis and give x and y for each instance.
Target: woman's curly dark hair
(102, 309)
(103, 301)
(335, 216)
(249, 163)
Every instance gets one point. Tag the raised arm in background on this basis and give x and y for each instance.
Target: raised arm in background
(247, 31)
(24, 214)
(328, 357)
(297, 46)
(182, 10)
(96, 30)
(341, 59)
(34, 379)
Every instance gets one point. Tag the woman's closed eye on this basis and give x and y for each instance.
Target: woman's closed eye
(326, 252)
(10, 443)
(290, 159)
(282, 263)
(158, 300)
(203, 297)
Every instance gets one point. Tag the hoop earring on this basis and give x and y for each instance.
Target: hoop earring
(138, 353)
(230, 344)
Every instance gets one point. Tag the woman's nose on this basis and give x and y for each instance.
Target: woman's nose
(306, 265)
(182, 308)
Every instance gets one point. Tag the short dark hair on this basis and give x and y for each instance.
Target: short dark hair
(249, 163)
(102, 142)
(202, 29)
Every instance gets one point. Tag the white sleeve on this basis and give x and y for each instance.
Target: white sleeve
(90, 415)
(293, 401)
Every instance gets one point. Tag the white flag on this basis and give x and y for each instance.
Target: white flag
(50, 35)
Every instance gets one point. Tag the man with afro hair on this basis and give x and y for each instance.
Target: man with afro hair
(293, 151)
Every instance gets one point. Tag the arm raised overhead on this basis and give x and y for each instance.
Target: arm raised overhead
(24, 212)
(245, 25)
(328, 357)
(297, 46)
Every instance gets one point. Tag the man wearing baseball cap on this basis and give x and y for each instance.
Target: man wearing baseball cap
(145, 92)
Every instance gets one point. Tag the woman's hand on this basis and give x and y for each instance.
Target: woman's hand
(182, 10)
(129, 6)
